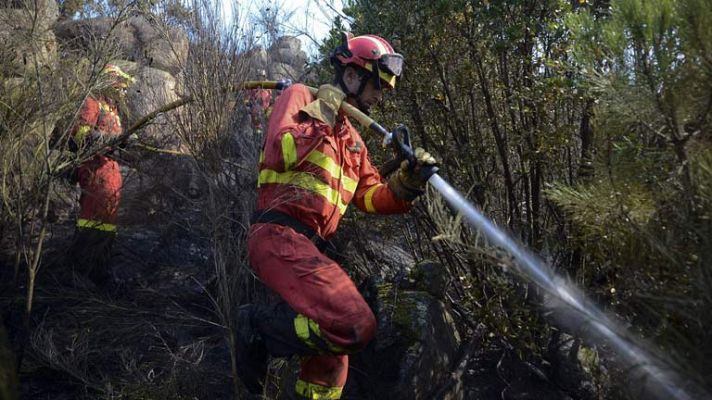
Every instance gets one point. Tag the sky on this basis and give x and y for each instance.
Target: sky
(310, 19)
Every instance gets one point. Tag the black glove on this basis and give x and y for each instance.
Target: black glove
(408, 182)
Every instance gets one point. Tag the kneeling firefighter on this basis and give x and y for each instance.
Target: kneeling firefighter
(99, 177)
(314, 163)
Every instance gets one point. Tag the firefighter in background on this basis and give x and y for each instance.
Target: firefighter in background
(314, 164)
(100, 177)
(258, 103)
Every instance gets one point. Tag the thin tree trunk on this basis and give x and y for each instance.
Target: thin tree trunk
(501, 142)
(586, 170)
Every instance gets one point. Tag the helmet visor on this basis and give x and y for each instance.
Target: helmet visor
(391, 63)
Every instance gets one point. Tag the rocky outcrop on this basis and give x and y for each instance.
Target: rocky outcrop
(417, 341)
(164, 48)
(285, 59)
(26, 37)
(153, 89)
(136, 39)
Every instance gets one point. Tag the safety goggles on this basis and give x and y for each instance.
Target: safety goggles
(391, 63)
(388, 68)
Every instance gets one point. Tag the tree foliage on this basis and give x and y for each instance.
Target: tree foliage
(583, 127)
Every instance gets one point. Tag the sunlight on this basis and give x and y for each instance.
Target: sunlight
(309, 20)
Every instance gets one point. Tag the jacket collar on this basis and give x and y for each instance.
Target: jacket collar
(325, 107)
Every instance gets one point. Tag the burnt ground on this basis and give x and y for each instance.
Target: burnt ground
(157, 334)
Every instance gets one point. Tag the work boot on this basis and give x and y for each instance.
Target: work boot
(89, 255)
(251, 353)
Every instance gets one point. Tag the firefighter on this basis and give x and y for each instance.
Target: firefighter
(258, 102)
(99, 177)
(313, 165)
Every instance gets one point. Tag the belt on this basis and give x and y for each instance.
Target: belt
(279, 218)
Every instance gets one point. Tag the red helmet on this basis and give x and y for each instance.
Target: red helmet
(372, 53)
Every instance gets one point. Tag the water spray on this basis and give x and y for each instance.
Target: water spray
(658, 378)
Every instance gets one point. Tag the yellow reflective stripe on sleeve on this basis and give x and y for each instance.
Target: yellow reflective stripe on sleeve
(289, 151)
(98, 225)
(328, 164)
(259, 162)
(301, 326)
(305, 181)
(313, 391)
(368, 198)
(82, 132)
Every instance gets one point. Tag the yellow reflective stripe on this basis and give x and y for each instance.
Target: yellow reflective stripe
(259, 162)
(388, 78)
(368, 198)
(305, 181)
(82, 132)
(317, 331)
(313, 391)
(328, 164)
(118, 71)
(125, 76)
(98, 225)
(289, 151)
(301, 326)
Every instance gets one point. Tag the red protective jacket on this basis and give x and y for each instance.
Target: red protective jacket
(100, 115)
(260, 97)
(312, 172)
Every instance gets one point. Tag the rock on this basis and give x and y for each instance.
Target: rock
(429, 277)
(288, 42)
(414, 350)
(283, 71)
(26, 40)
(288, 50)
(360, 247)
(257, 59)
(35, 124)
(47, 11)
(165, 48)
(285, 59)
(83, 34)
(136, 39)
(575, 367)
(152, 90)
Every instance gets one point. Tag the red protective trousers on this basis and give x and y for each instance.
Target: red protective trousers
(100, 181)
(318, 289)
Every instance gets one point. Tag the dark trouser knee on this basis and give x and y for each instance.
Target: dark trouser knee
(364, 330)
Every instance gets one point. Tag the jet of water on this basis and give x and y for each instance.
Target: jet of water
(658, 380)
